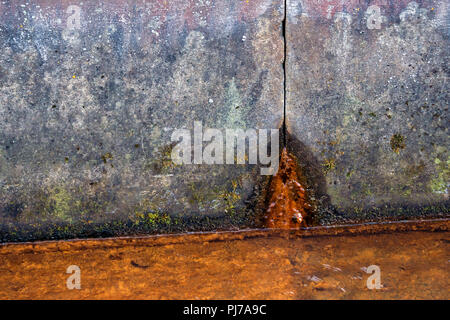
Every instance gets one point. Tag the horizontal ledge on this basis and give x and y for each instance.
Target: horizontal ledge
(211, 236)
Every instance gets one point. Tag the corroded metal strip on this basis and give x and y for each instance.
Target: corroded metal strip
(161, 240)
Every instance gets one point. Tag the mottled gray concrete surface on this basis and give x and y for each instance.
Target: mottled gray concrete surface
(90, 93)
(367, 105)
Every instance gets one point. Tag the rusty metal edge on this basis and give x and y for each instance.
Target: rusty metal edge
(368, 228)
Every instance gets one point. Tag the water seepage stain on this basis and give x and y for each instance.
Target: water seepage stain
(198, 266)
(288, 206)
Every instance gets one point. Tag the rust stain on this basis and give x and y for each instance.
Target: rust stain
(288, 205)
(258, 268)
(390, 227)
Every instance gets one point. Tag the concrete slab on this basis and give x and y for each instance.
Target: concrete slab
(367, 105)
(91, 92)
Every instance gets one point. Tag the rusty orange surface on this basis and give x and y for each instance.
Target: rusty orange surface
(288, 205)
(413, 265)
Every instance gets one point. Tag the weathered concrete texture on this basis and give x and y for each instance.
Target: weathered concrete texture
(367, 103)
(90, 93)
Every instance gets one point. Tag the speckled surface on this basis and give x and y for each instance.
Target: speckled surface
(89, 96)
(259, 268)
(367, 105)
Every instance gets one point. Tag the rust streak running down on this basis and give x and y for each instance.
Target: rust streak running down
(288, 205)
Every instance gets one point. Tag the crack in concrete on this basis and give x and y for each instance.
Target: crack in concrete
(283, 29)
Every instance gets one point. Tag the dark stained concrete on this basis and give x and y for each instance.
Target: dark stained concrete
(90, 93)
(367, 105)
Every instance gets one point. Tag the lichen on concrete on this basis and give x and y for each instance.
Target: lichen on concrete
(367, 97)
(90, 93)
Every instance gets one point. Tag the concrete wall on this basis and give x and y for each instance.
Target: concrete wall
(367, 99)
(91, 92)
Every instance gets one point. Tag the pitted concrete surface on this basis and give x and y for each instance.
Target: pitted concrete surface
(367, 105)
(90, 94)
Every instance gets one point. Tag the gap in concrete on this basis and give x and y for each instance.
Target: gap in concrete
(283, 26)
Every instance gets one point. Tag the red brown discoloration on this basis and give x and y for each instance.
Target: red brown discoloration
(288, 204)
(211, 268)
